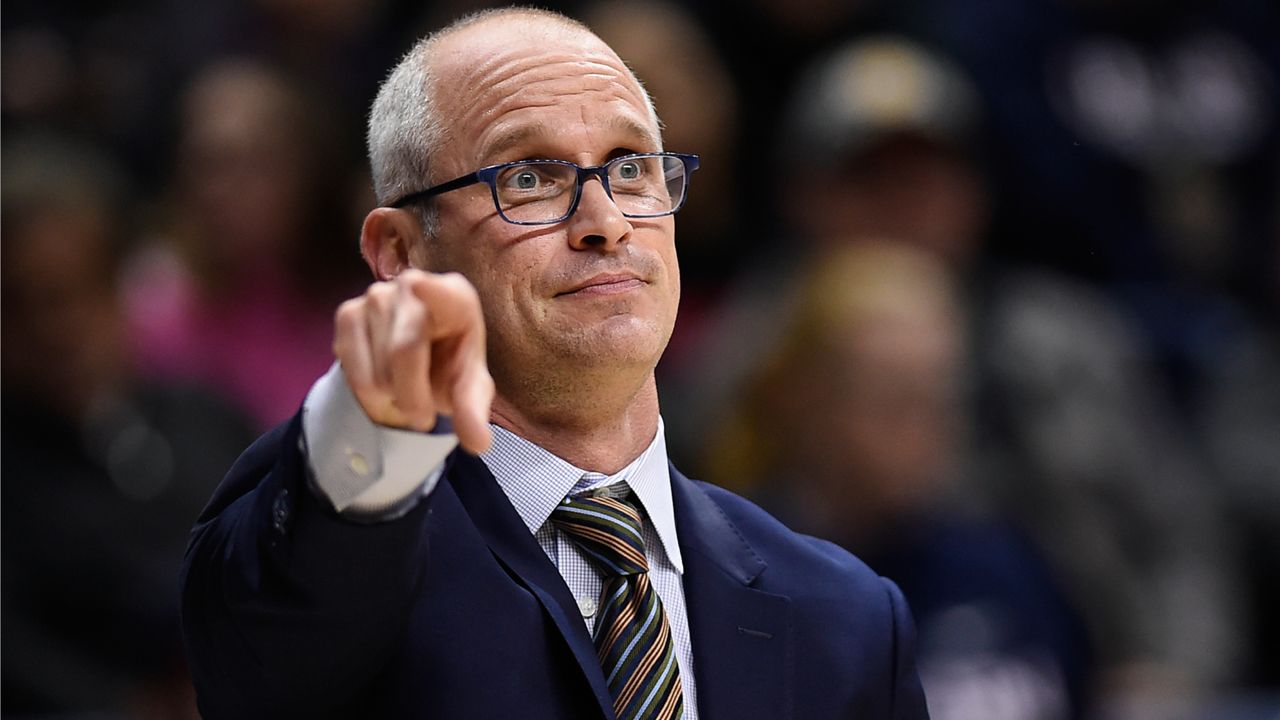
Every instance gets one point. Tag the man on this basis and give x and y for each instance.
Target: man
(354, 565)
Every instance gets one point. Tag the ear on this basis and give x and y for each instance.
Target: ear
(387, 241)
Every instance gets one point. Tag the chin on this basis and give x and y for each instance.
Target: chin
(620, 340)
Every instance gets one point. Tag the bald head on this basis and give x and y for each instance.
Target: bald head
(534, 21)
(421, 103)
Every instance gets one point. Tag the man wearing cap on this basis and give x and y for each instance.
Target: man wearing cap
(356, 563)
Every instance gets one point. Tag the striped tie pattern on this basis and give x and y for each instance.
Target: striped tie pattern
(632, 638)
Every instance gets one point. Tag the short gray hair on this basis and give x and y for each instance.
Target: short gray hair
(404, 129)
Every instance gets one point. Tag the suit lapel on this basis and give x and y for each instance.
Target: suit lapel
(741, 636)
(510, 541)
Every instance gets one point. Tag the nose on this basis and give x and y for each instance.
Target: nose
(597, 223)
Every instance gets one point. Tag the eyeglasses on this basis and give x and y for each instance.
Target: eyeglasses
(544, 192)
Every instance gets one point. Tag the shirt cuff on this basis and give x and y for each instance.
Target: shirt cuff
(363, 468)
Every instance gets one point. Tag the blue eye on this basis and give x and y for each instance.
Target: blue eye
(525, 180)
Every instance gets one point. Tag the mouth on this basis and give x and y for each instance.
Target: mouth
(605, 284)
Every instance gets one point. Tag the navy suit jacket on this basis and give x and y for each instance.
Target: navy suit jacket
(454, 611)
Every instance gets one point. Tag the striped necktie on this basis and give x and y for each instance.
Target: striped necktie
(632, 638)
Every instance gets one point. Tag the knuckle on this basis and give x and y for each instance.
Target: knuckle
(414, 281)
(466, 288)
(348, 312)
(411, 309)
(404, 348)
(457, 283)
(380, 294)
(410, 276)
(408, 336)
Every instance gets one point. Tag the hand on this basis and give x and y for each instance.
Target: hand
(412, 347)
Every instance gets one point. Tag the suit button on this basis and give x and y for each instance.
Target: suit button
(280, 511)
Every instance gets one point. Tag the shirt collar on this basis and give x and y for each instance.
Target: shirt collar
(535, 480)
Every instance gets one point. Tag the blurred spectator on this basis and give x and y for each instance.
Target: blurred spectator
(765, 44)
(99, 70)
(871, 150)
(1138, 142)
(110, 71)
(879, 143)
(104, 473)
(255, 249)
(1071, 437)
(855, 425)
(1241, 421)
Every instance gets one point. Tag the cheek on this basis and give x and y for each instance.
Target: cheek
(673, 272)
(664, 245)
(506, 282)
(469, 244)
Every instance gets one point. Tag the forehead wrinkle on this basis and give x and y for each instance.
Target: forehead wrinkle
(513, 78)
(488, 68)
(578, 65)
(519, 90)
(493, 79)
(498, 134)
(532, 133)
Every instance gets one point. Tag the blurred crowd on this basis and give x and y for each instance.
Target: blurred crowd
(987, 292)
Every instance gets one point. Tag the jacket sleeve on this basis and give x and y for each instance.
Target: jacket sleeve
(288, 608)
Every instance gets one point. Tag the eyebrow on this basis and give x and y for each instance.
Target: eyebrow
(537, 130)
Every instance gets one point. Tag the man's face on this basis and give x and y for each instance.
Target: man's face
(597, 291)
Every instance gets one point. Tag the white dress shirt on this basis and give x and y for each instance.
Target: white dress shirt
(379, 472)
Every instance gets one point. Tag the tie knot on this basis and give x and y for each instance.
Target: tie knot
(606, 529)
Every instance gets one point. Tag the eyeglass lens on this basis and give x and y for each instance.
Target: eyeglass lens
(641, 186)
